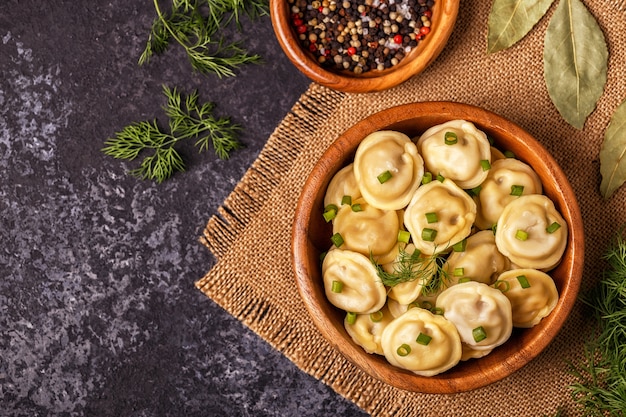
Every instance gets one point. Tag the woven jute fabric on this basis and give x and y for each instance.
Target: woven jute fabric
(250, 236)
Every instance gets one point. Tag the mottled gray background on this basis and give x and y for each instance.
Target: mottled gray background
(98, 311)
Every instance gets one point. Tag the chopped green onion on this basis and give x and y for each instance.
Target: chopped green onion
(553, 227)
(437, 311)
(440, 178)
(330, 211)
(322, 256)
(412, 305)
(423, 339)
(431, 218)
(356, 207)
(476, 190)
(450, 138)
(464, 279)
(491, 141)
(346, 199)
(460, 246)
(503, 286)
(384, 177)
(523, 281)
(521, 235)
(377, 316)
(427, 305)
(336, 287)
(517, 190)
(351, 318)
(337, 239)
(459, 272)
(428, 177)
(509, 154)
(429, 234)
(485, 164)
(479, 334)
(404, 236)
(494, 228)
(404, 350)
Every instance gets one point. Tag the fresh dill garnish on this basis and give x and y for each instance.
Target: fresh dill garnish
(195, 25)
(601, 386)
(187, 120)
(413, 266)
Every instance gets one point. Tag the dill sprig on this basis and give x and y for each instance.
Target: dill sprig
(187, 120)
(601, 386)
(195, 25)
(413, 266)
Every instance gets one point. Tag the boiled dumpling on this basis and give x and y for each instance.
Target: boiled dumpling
(532, 233)
(456, 150)
(480, 313)
(342, 184)
(351, 282)
(507, 180)
(421, 342)
(367, 329)
(439, 215)
(388, 169)
(532, 294)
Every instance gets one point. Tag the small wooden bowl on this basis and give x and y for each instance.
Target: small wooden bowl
(311, 237)
(442, 23)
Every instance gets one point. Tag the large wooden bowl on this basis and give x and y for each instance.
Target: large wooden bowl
(442, 23)
(311, 237)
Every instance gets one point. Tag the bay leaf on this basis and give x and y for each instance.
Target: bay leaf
(510, 20)
(575, 59)
(613, 153)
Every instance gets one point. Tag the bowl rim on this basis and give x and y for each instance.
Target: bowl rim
(528, 343)
(442, 25)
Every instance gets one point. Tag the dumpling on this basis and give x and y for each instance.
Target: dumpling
(421, 342)
(342, 184)
(351, 282)
(532, 233)
(532, 294)
(479, 261)
(408, 291)
(439, 215)
(388, 169)
(481, 314)
(456, 150)
(368, 230)
(367, 329)
(507, 180)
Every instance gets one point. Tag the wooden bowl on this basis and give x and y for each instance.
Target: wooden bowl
(442, 23)
(311, 236)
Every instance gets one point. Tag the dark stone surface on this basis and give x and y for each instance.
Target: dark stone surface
(99, 315)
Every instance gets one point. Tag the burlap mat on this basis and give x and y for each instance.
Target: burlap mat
(250, 237)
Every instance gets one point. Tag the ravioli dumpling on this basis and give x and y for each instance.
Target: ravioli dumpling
(342, 184)
(532, 293)
(456, 150)
(421, 342)
(507, 180)
(351, 282)
(481, 314)
(368, 230)
(388, 169)
(532, 233)
(367, 329)
(439, 215)
(480, 260)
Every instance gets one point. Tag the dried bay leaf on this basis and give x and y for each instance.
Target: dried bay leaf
(510, 20)
(575, 61)
(613, 153)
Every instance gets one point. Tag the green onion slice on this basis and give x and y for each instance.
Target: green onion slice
(475, 191)
(521, 235)
(329, 215)
(337, 239)
(428, 177)
(459, 272)
(501, 285)
(517, 190)
(428, 234)
(384, 177)
(404, 236)
(464, 279)
(346, 199)
(351, 318)
(479, 334)
(553, 227)
(336, 287)
(437, 311)
(377, 316)
(356, 207)
(485, 164)
(427, 305)
(509, 154)
(440, 178)
(403, 349)
(460, 246)
(423, 339)
(432, 218)
(450, 138)
(523, 281)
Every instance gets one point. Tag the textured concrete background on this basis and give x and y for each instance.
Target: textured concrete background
(98, 311)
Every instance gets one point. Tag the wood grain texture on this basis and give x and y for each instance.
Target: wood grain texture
(442, 23)
(311, 235)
